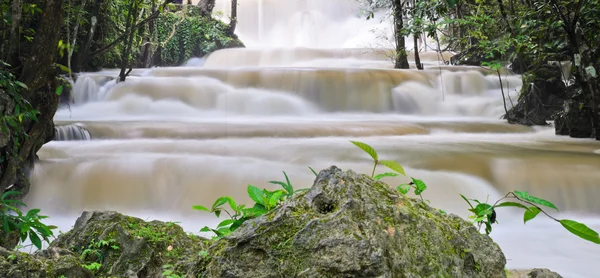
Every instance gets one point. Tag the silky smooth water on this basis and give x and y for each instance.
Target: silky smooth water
(171, 138)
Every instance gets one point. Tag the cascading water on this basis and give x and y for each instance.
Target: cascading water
(170, 138)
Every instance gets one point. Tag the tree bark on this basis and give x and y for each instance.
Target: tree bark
(416, 51)
(127, 44)
(233, 22)
(39, 75)
(401, 59)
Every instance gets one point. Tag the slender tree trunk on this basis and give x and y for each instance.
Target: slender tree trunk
(128, 42)
(401, 61)
(416, 51)
(233, 23)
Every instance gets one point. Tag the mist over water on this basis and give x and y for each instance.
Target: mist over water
(170, 138)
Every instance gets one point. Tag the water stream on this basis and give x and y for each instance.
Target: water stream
(170, 138)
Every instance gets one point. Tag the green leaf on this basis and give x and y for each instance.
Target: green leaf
(580, 230)
(381, 176)
(395, 166)
(232, 203)
(275, 198)
(201, 208)
(366, 148)
(9, 193)
(236, 224)
(466, 200)
(205, 229)
(538, 201)
(420, 186)
(35, 239)
(512, 204)
(59, 90)
(255, 211)
(530, 213)
(32, 212)
(219, 202)
(225, 223)
(256, 195)
(21, 84)
(313, 171)
(403, 188)
(290, 188)
(483, 209)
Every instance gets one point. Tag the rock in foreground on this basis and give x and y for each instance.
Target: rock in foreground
(348, 225)
(113, 244)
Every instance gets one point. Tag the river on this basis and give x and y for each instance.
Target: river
(313, 77)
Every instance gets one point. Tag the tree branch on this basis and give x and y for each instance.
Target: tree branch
(114, 43)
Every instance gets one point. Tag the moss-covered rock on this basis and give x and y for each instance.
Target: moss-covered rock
(52, 262)
(113, 244)
(348, 225)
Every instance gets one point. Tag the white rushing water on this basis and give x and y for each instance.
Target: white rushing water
(171, 138)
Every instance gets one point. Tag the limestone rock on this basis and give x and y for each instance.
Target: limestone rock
(52, 262)
(543, 273)
(126, 246)
(535, 273)
(348, 225)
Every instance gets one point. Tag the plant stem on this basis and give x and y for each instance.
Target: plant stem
(374, 167)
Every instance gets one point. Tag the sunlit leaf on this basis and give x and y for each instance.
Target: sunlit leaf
(511, 204)
(580, 230)
(395, 166)
(366, 148)
(381, 176)
(403, 188)
(538, 201)
(420, 186)
(256, 194)
(201, 208)
(530, 213)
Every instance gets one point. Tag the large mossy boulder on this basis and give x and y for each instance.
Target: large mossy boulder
(349, 225)
(125, 246)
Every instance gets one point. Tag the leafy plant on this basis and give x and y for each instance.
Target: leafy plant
(485, 214)
(94, 253)
(27, 225)
(418, 185)
(265, 201)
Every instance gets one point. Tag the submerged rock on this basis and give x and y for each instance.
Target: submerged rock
(125, 246)
(348, 225)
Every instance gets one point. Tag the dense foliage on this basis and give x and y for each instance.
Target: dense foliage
(526, 36)
(101, 34)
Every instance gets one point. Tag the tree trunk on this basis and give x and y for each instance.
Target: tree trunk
(416, 51)
(206, 7)
(401, 59)
(39, 75)
(128, 42)
(233, 22)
